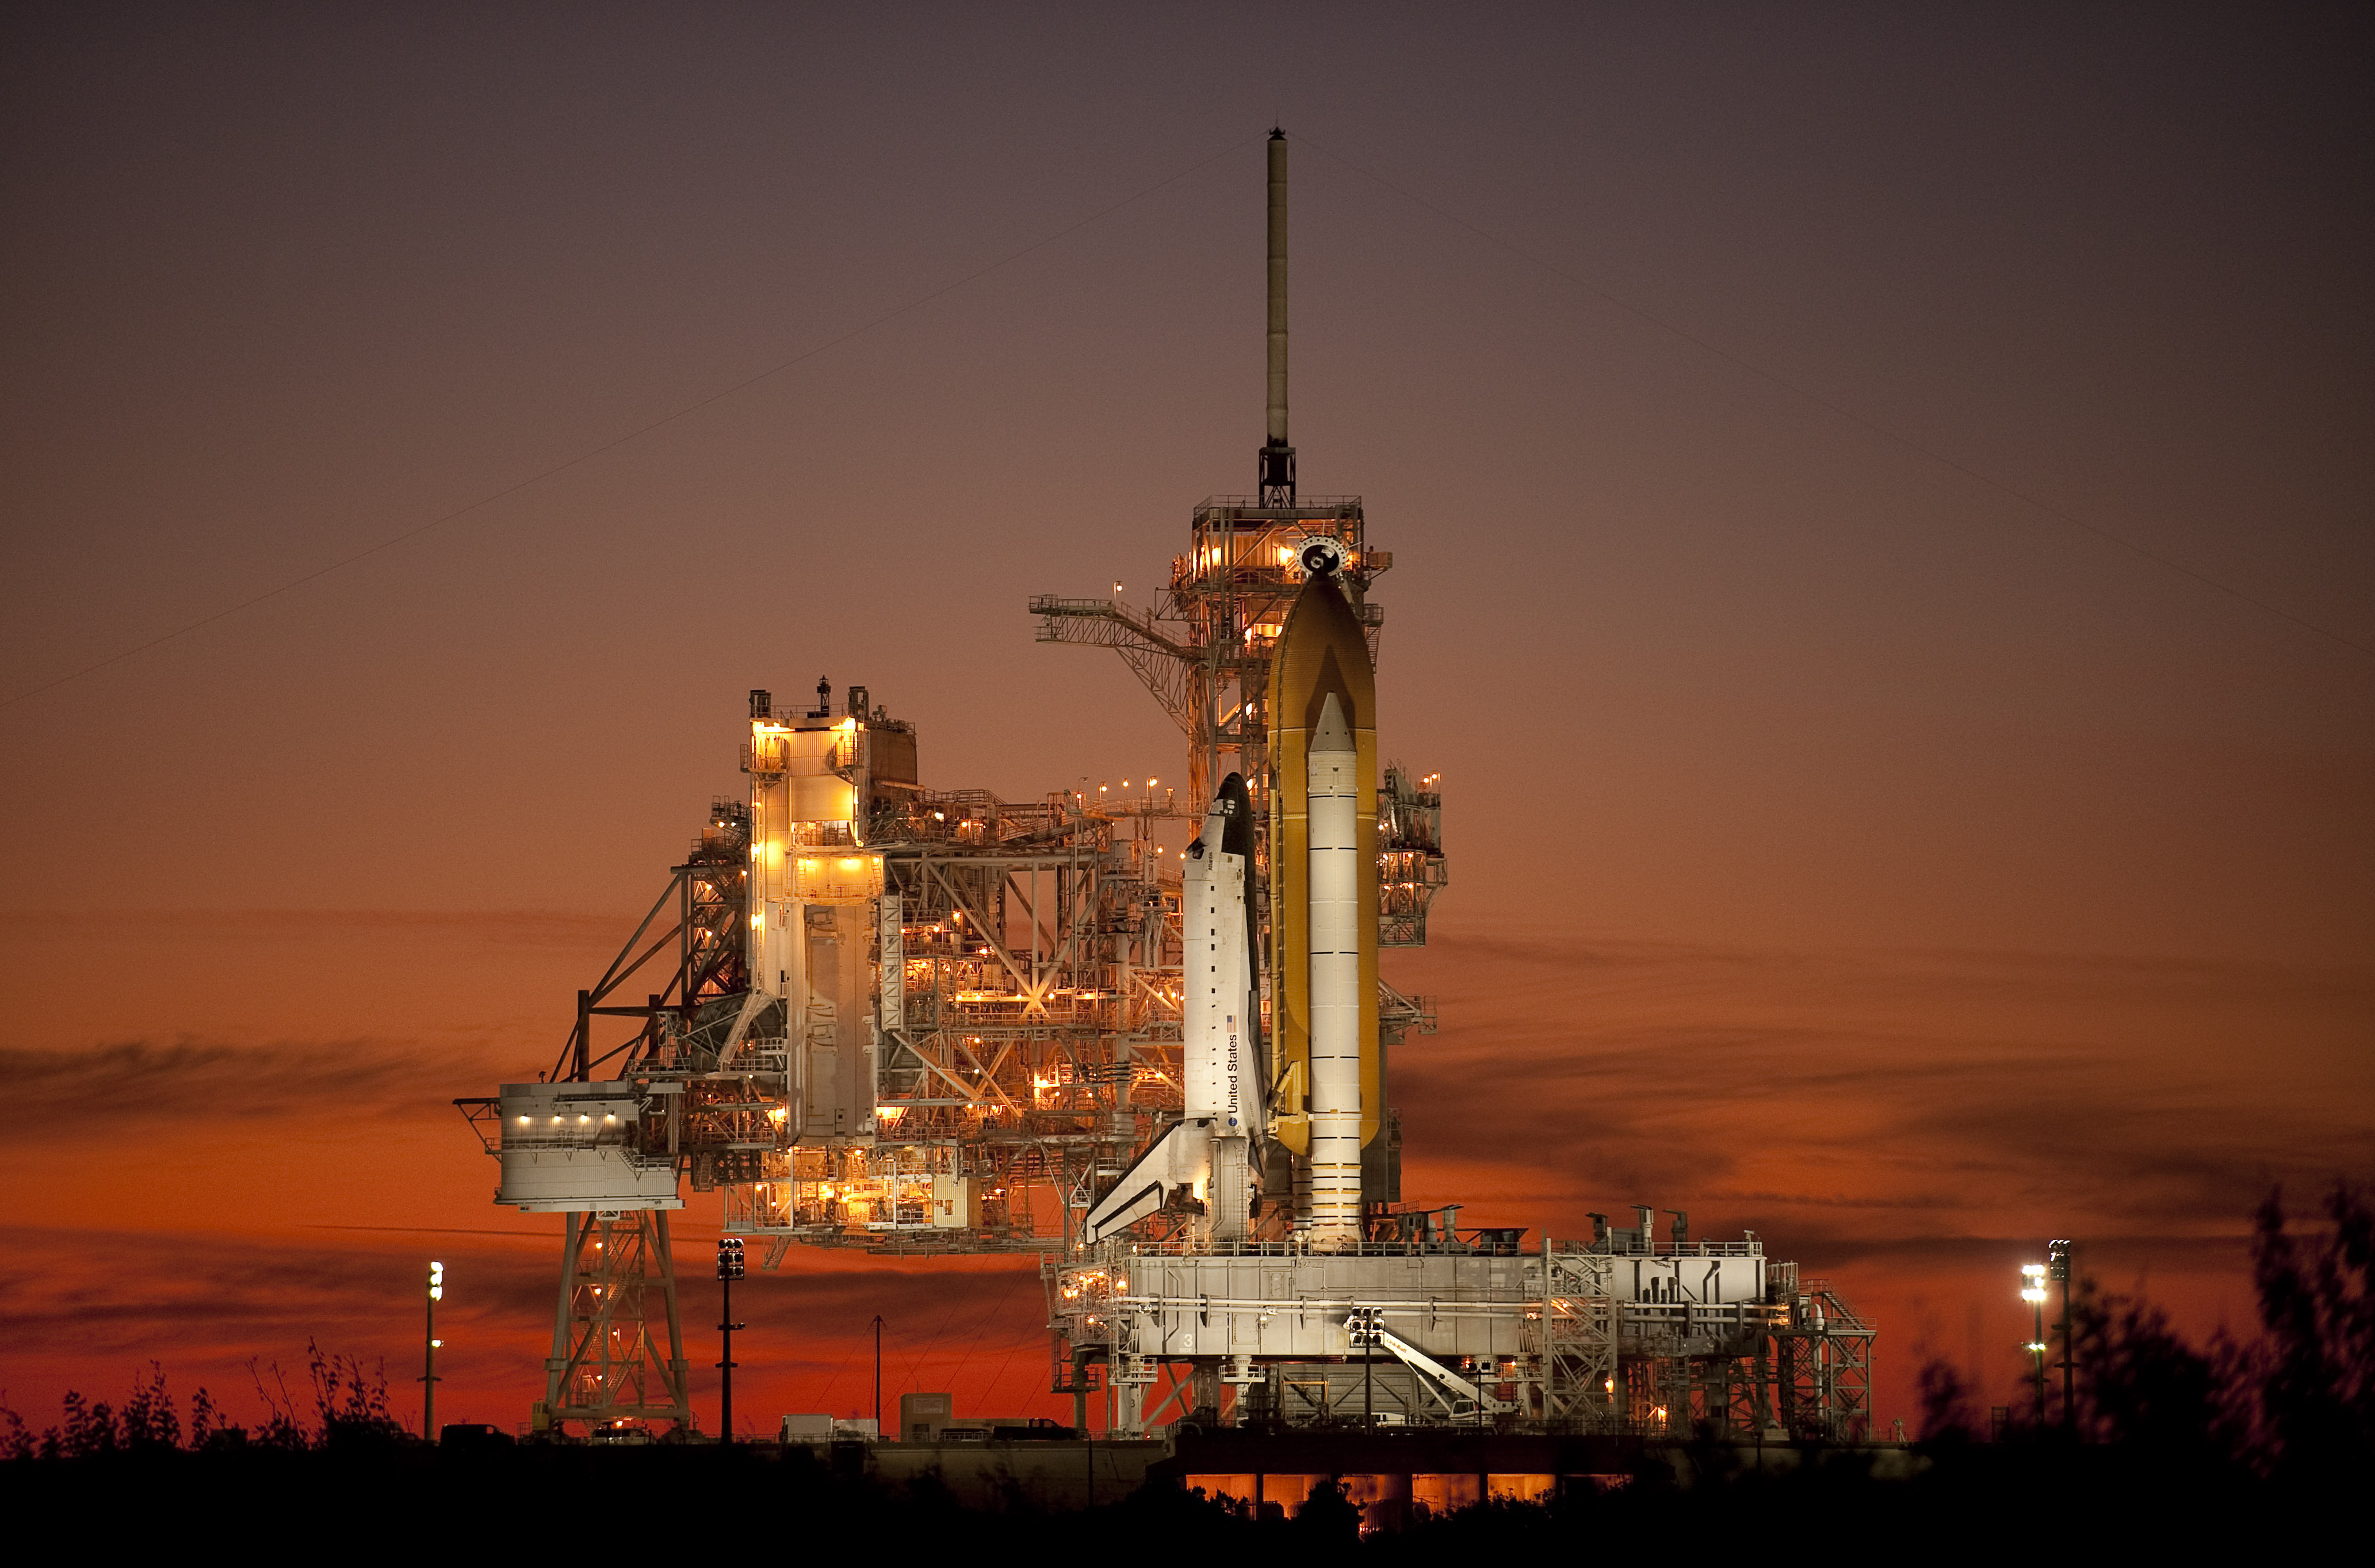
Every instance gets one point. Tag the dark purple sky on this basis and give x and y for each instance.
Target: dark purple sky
(1881, 499)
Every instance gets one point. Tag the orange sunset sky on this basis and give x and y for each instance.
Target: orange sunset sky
(1880, 502)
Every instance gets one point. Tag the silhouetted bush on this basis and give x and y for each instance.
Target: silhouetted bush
(350, 1412)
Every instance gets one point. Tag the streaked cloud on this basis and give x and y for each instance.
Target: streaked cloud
(1965, 1090)
(67, 1094)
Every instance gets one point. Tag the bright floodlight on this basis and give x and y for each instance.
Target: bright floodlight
(2034, 1294)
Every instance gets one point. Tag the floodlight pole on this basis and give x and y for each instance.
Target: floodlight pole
(729, 1269)
(429, 1354)
(726, 1365)
(2040, 1364)
(2032, 1291)
(2057, 1265)
(878, 1378)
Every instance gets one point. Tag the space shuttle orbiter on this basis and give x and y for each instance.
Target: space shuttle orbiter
(1213, 1148)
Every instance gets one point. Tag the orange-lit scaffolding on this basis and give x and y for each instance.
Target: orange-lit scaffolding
(930, 1020)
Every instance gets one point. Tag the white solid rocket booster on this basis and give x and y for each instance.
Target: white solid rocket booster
(1331, 764)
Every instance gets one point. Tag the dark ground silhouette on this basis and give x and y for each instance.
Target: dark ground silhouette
(2170, 1446)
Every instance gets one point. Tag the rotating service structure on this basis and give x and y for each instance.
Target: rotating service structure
(1140, 1032)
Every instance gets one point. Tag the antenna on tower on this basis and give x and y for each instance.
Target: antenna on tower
(1277, 456)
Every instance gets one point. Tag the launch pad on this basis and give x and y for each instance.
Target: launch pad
(1140, 1033)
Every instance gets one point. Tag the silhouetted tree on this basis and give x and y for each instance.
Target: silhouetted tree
(1948, 1419)
(1328, 1517)
(208, 1429)
(87, 1430)
(2141, 1384)
(148, 1420)
(2314, 1368)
